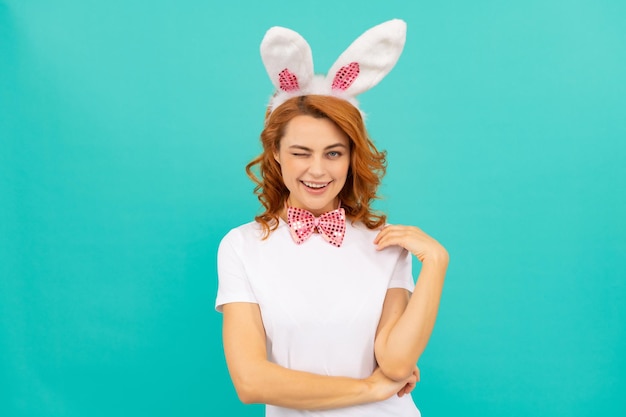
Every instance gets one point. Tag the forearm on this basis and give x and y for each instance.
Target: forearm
(258, 380)
(399, 346)
(268, 383)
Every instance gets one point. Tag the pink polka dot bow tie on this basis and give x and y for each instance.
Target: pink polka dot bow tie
(331, 225)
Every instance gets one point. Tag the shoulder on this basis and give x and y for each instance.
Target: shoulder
(236, 243)
(247, 229)
(251, 231)
(250, 234)
(363, 236)
(361, 230)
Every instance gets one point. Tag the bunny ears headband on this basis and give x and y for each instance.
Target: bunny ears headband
(289, 62)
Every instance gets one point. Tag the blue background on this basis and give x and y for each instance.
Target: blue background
(124, 130)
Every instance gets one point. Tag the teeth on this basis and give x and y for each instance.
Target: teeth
(312, 185)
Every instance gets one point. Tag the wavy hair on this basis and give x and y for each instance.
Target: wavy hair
(367, 164)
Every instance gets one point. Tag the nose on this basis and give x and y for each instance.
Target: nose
(316, 168)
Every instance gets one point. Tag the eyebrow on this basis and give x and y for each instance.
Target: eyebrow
(304, 148)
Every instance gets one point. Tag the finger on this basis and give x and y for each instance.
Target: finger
(387, 242)
(408, 388)
(402, 239)
(409, 385)
(391, 232)
(400, 231)
(384, 231)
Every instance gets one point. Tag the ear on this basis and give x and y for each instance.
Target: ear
(368, 59)
(276, 158)
(287, 58)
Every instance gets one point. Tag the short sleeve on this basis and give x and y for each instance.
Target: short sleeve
(402, 276)
(233, 281)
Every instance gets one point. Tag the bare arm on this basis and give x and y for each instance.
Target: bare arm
(257, 380)
(407, 322)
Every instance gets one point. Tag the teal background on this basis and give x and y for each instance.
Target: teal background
(124, 130)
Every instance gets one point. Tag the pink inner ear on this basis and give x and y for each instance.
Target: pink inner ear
(346, 76)
(288, 81)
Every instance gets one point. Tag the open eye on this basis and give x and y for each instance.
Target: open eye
(334, 154)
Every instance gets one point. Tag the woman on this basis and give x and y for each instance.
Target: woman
(318, 313)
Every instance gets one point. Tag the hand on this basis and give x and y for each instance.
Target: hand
(410, 386)
(384, 388)
(413, 239)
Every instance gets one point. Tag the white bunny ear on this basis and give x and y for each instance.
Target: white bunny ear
(287, 58)
(368, 59)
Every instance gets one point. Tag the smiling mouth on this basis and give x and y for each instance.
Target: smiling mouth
(314, 185)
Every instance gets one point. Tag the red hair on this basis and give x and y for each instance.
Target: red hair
(367, 164)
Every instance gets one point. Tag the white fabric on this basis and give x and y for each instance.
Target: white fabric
(320, 304)
(376, 51)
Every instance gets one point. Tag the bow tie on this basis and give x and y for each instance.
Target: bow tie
(331, 225)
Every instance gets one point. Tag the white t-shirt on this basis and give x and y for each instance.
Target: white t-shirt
(320, 304)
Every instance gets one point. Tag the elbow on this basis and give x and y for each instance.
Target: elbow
(246, 390)
(396, 366)
(398, 370)
(245, 397)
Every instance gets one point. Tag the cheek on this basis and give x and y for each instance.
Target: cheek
(288, 168)
(344, 169)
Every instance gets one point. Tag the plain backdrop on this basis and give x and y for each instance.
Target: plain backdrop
(124, 130)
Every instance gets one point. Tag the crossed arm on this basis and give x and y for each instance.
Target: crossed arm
(258, 380)
(407, 323)
(403, 332)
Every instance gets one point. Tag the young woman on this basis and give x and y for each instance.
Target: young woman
(321, 316)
